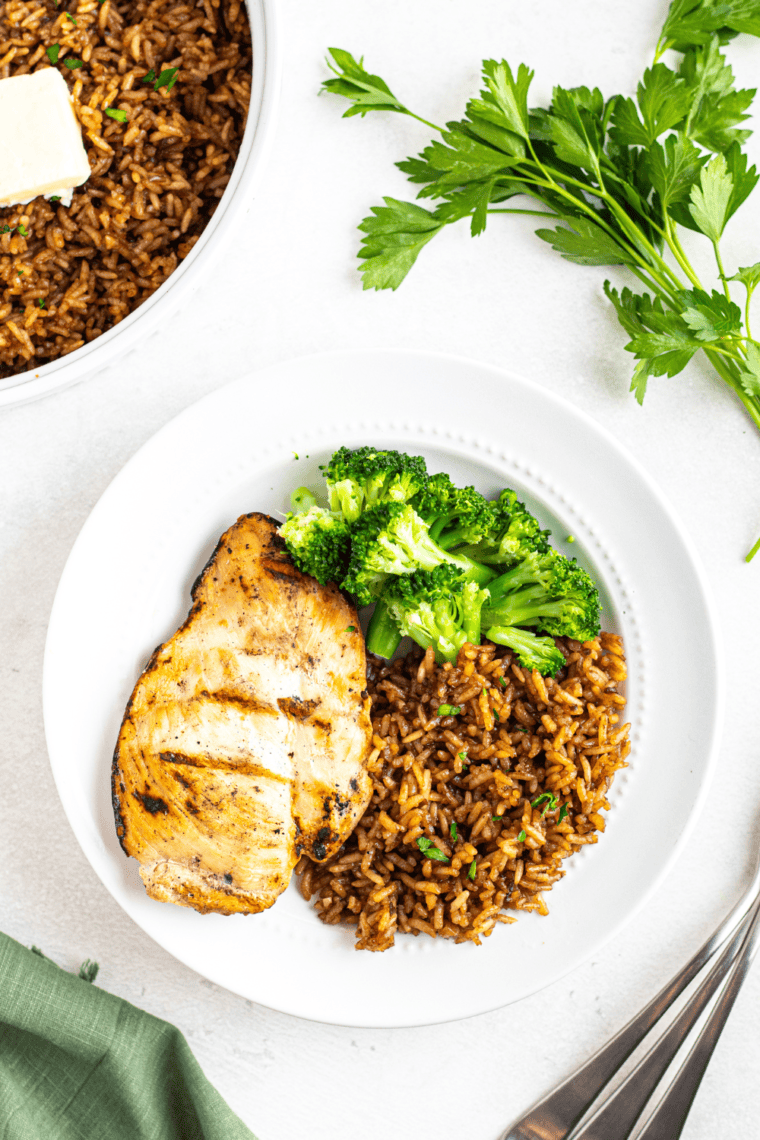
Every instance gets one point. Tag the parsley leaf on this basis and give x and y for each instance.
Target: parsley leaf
(395, 233)
(453, 830)
(366, 92)
(750, 376)
(167, 78)
(72, 63)
(150, 77)
(673, 168)
(505, 100)
(710, 199)
(550, 799)
(749, 277)
(430, 851)
(583, 242)
(463, 160)
(521, 837)
(449, 710)
(23, 230)
(562, 813)
(711, 317)
(472, 871)
(115, 113)
(52, 52)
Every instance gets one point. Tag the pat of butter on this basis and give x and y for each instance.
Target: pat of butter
(41, 149)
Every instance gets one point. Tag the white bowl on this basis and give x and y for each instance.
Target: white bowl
(78, 365)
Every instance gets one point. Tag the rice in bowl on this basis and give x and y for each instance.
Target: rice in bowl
(498, 794)
(71, 274)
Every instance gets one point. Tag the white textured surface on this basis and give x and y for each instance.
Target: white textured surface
(289, 287)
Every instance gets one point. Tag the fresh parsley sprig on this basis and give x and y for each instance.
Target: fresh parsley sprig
(615, 178)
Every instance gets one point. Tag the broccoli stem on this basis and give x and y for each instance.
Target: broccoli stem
(475, 571)
(471, 624)
(455, 537)
(436, 528)
(302, 500)
(383, 635)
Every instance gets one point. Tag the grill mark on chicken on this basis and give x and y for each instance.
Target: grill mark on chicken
(250, 726)
(218, 763)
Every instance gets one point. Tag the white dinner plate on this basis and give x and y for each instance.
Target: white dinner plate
(126, 588)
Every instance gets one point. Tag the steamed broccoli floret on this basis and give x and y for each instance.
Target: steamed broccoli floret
(390, 539)
(548, 591)
(360, 479)
(532, 651)
(455, 515)
(438, 608)
(318, 542)
(513, 533)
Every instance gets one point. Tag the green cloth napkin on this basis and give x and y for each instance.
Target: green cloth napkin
(77, 1063)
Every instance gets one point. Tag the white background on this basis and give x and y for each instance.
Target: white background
(288, 287)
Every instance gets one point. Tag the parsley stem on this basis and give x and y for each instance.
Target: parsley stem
(753, 551)
(425, 121)
(746, 314)
(638, 238)
(677, 250)
(577, 202)
(721, 270)
(533, 213)
(724, 370)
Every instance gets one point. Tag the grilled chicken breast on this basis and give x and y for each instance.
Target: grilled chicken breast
(245, 741)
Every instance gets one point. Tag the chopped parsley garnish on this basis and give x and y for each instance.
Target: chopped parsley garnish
(7, 229)
(73, 63)
(350, 629)
(496, 818)
(551, 802)
(496, 716)
(562, 813)
(430, 851)
(55, 198)
(41, 302)
(23, 230)
(472, 870)
(461, 755)
(149, 77)
(69, 16)
(115, 113)
(449, 710)
(167, 78)
(521, 837)
(295, 453)
(52, 52)
(453, 831)
(502, 682)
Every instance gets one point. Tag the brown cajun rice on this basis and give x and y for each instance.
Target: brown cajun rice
(505, 790)
(156, 178)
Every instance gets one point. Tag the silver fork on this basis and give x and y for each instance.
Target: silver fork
(616, 1114)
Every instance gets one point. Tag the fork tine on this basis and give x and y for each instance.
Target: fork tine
(620, 1112)
(555, 1115)
(670, 1115)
